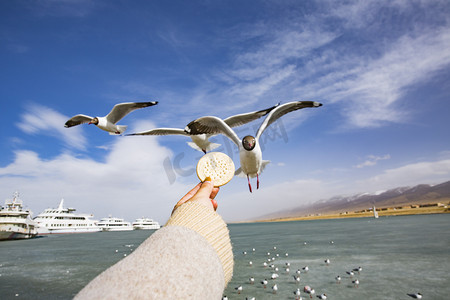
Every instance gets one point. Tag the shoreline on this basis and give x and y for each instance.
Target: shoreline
(366, 214)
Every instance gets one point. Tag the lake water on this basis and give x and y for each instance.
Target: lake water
(398, 255)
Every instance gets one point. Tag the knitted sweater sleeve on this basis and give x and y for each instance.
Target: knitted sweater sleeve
(189, 258)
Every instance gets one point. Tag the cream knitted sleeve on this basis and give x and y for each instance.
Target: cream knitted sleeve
(211, 226)
(189, 258)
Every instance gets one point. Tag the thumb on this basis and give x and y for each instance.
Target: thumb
(205, 189)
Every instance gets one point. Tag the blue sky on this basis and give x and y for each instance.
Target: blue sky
(380, 68)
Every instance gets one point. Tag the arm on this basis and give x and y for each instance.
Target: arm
(189, 258)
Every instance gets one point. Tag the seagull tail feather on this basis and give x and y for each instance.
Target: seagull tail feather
(121, 129)
(194, 146)
(239, 173)
(212, 146)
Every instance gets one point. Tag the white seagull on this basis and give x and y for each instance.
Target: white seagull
(297, 294)
(264, 283)
(275, 288)
(201, 142)
(108, 122)
(415, 295)
(355, 283)
(250, 153)
(327, 261)
(238, 289)
(338, 279)
(322, 296)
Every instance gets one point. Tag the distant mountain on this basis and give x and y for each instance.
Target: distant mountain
(401, 196)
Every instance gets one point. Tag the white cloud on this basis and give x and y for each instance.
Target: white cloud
(372, 160)
(409, 175)
(131, 182)
(298, 192)
(38, 119)
(269, 199)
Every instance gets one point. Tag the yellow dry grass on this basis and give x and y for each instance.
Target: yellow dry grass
(389, 212)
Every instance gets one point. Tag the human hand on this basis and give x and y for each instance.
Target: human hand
(204, 193)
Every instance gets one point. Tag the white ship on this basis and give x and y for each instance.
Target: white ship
(114, 224)
(64, 220)
(145, 223)
(16, 223)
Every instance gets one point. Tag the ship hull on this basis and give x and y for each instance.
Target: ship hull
(14, 235)
(146, 227)
(45, 231)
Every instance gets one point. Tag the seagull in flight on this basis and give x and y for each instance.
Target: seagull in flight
(201, 142)
(108, 122)
(250, 153)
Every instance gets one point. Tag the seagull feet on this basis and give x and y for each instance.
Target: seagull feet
(249, 185)
(257, 181)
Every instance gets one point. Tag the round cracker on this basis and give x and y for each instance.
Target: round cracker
(218, 166)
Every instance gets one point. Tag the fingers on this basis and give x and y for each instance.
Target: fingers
(214, 203)
(204, 192)
(206, 189)
(189, 194)
(214, 193)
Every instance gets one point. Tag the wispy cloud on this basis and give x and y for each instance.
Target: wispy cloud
(376, 88)
(38, 119)
(372, 161)
(278, 52)
(18, 48)
(63, 8)
(313, 61)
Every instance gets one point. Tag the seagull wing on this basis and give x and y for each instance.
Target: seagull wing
(241, 119)
(77, 120)
(283, 109)
(212, 125)
(122, 109)
(161, 131)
